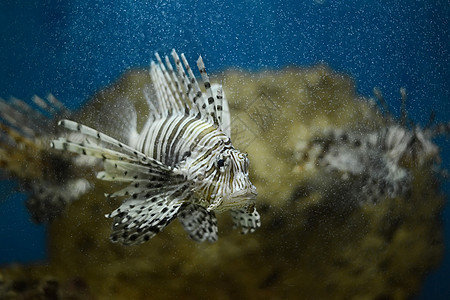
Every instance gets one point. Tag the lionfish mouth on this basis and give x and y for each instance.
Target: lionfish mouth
(247, 194)
(244, 198)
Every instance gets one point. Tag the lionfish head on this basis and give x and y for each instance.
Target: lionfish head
(413, 145)
(421, 147)
(225, 183)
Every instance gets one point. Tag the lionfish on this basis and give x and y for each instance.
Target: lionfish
(46, 175)
(376, 162)
(181, 165)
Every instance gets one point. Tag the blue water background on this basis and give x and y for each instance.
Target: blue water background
(74, 48)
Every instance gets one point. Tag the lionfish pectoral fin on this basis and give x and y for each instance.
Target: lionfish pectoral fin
(142, 175)
(138, 220)
(107, 147)
(200, 224)
(248, 221)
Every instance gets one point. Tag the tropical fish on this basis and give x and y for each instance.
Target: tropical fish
(376, 162)
(181, 164)
(46, 175)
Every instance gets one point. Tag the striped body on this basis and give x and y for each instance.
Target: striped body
(169, 140)
(195, 146)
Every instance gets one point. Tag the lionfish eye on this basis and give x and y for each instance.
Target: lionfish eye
(221, 163)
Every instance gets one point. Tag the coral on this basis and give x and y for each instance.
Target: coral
(312, 242)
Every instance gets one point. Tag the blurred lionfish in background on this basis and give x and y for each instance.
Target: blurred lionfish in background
(376, 162)
(46, 176)
(181, 165)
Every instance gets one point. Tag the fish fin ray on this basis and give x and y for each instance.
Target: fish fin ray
(137, 221)
(186, 84)
(247, 221)
(223, 112)
(101, 137)
(212, 104)
(200, 224)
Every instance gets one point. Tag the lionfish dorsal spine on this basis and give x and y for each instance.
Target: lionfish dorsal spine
(213, 103)
(192, 98)
(198, 99)
(179, 93)
(178, 88)
(172, 93)
(224, 113)
(164, 103)
(218, 105)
